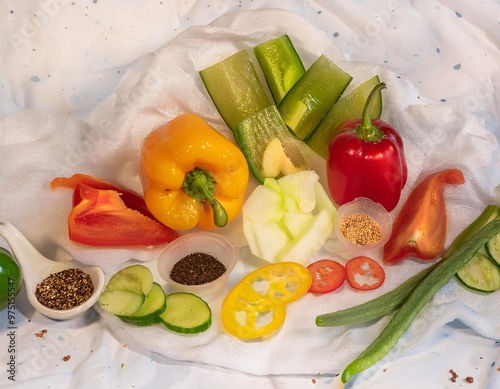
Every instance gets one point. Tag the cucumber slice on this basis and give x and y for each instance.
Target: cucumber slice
(121, 302)
(346, 108)
(312, 96)
(235, 88)
(154, 304)
(137, 279)
(186, 313)
(480, 274)
(493, 249)
(281, 65)
(255, 134)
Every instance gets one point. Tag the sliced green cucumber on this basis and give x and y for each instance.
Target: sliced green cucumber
(346, 108)
(480, 274)
(256, 133)
(154, 304)
(186, 313)
(137, 279)
(312, 96)
(235, 88)
(281, 65)
(493, 249)
(121, 302)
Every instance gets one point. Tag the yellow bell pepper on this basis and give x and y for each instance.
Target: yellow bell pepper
(192, 175)
(255, 307)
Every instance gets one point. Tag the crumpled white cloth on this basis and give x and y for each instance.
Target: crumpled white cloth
(165, 84)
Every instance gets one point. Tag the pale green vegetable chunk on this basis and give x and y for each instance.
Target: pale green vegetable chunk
(288, 219)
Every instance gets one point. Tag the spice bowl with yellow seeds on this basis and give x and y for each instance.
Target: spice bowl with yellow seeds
(362, 225)
(198, 263)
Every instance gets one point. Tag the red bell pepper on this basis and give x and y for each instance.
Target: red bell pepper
(366, 159)
(420, 228)
(107, 215)
(131, 199)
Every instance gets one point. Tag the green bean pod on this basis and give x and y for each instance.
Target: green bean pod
(391, 301)
(376, 308)
(418, 299)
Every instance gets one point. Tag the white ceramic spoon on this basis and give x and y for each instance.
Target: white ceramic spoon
(35, 267)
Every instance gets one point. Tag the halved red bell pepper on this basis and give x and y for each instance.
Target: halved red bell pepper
(420, 228)
(107, 215)
(131, 199)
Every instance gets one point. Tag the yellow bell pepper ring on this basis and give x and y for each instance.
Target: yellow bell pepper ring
(248, 315)
(255, 307)
(192, 175)
(284, 281)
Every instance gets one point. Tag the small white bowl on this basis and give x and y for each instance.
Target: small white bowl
(376, 211)
(35, 268)
(199, 242)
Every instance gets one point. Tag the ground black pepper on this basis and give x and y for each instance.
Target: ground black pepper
(65, 289)
(197, 269)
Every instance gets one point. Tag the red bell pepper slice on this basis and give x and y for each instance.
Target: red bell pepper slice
(364, 273)
(101, 218)
(420, 228)
(131, 199)
(327, 276)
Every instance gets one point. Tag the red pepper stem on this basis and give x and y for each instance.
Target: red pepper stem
(200, 185)
(366, 130)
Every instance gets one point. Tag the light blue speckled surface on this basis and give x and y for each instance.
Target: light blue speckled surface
(69, 66)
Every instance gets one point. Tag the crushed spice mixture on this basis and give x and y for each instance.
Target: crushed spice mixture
(65, 289)
(41, 333)
(197, 269)
(454, 376)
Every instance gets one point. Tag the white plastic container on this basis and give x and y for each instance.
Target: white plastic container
(376, 211)
(199, 242)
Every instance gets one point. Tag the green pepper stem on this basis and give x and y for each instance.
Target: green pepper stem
(200, 185)
(366, 130)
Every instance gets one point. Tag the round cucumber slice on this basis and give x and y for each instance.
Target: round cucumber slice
(135, 278)
(121, 302)
(154, 304)
(186, 313)
(480, 274)
(493, 249)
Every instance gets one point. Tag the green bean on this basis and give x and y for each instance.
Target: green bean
(417, 300)
(376, 308)
(392, 300)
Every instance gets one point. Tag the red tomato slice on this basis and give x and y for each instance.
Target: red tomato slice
(364, 273)
(327, 275)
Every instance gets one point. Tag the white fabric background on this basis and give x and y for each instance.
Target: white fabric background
(63, 115)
